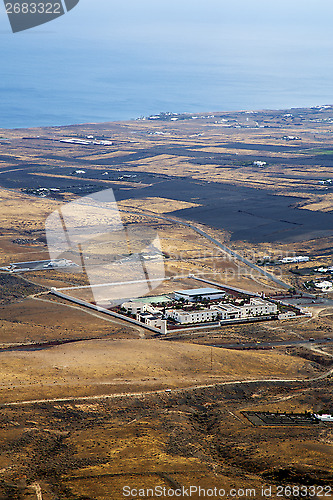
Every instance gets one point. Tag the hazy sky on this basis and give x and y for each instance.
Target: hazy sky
(282, 47)
(295, 34)
(169, 20)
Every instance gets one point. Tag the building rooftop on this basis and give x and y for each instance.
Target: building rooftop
(195, 311)
(227, 307)
(199, 291)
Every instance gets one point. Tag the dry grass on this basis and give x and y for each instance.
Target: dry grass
(156, 205)
(39, 321)
(97, 367)
(20, 211)
(324, 203)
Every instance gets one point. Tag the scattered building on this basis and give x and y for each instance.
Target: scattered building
(294, 260)
(324, 418)
(155, 320)
(306, 312)
(40, 265)
(259, 163)
(287, 315)
(103, 143)
(54, 263)
(134, 307)
(324, 286)
(291, 138)
(324, 270)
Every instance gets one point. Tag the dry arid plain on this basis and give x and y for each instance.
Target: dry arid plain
(91, 403)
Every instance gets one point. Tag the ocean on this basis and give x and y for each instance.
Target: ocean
(109, 61)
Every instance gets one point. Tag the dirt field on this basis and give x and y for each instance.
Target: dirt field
(113, 366)
(141, 411)
(92, 449)
(42, 321)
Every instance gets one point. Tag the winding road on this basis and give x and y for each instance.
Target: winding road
(217, 243)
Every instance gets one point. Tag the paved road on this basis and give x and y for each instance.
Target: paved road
(220, 245)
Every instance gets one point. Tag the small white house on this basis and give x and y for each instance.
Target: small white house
(154, 320)
(324, 418)
(294, 260)
(324, 286)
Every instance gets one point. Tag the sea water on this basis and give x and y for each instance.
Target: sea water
(109, 60)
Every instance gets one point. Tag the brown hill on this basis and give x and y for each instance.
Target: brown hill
(107, 367)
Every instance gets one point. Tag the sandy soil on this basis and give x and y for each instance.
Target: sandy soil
(103, 366)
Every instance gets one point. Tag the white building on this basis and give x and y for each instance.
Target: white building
(228, 311)
(135, 307)
(325, 269)
(200, 316)
(195, 294)
(224, 312)
(324, 286)
(258, 307)
(324, 418)
(287, 315)
(294, 260)
(154, 320)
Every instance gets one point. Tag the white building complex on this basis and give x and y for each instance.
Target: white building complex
(151, 315)
(224, 312)
(259, 307)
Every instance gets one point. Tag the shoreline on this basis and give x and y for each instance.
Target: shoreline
(190, 114)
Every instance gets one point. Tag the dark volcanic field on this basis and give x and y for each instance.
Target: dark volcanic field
(250, 214)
